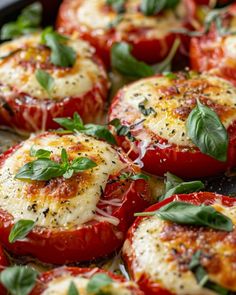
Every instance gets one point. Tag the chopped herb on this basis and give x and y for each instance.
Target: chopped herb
(98, 282)
(152, 7)
(145, 111)
(133, 176)
(122, 130)
(76, 124)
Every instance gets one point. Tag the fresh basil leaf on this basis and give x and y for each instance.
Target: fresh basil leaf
(117, 5)
(20, 230)
(195, 261)
(82, 163)
(45, 80)
(146, 111)
(122, 130)
(64, 157)
(165, 65)
(175, 185)
(140, 176)
(61, 54)
(27, 22)
(189, 214)
(207, 132)
(18, 280)
(172, 181)
(41, 169)
(100, 132)
(185, 188)
(71, 124)
(98, 282)
(68, 174)
(152, 7)
(126, 64)
(40, 153)
(72, 289)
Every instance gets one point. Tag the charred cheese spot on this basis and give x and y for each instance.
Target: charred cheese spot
(163, 251)
(95, 15)
(58, 202)
(172, 101)
(61, 285)
(25, 55)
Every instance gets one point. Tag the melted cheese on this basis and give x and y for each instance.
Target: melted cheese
(59, 202)
(154, 254)
(60, 286)
(169, 98)
(229, 47)
(94, 15)
(17, 72)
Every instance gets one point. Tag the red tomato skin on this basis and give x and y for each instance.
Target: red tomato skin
(206, 56)
(182, 161)
(144, 282)
(30, 115)
(46, 277)
(66, 246)
(149, 50)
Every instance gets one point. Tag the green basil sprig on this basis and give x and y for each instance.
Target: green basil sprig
(20, 230)
(61, 54)
(18, 280)
(45, 80)
(117, 5)
(40, 153)
(44, 169)
(202, 277)
(122, 130)
(123, 61)
(27, 22)
(152, 7)
(189, 214)
(72, 289)
(176, 185)
(76, 124)
(207, 132)
(98, 282)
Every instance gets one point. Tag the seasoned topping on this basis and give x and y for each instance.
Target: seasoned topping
(168, 103)
(22, 57)
(58, 201)
(172, 247)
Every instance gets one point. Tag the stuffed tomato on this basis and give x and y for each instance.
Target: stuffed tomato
(153, 113)
(167, 257)
(73, 189)
(215, 50)
(58, 282)
(39, 83)
(102, 25)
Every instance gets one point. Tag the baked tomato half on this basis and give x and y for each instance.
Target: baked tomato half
(77, 190)
(58, 282)
(216, 50)
(8, 138)
(160, 254)
(100, 24)
(154, 112)
(31, 99)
